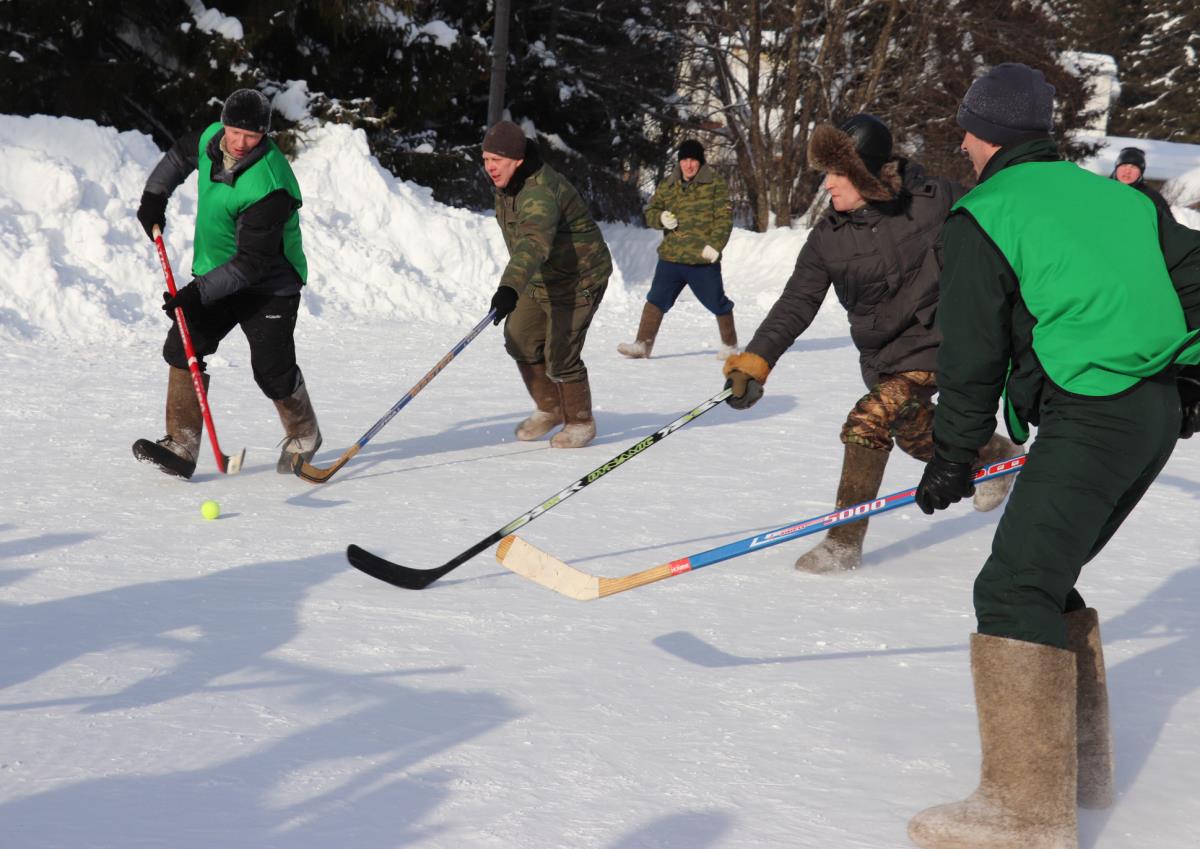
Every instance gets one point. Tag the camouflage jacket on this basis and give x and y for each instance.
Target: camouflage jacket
(551, 237)
(704, 212)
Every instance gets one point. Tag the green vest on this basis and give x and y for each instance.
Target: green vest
(1085, 252)
(219, 205)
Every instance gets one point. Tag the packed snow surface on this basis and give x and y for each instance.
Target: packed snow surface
(172, 682)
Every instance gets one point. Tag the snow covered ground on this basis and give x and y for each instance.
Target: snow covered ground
(167, 681)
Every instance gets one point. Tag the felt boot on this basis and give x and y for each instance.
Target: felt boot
(176, 453)
(728, 332)
(302, 436)
(1093, 734)
(544, 393)
(862, 474)
(640, 347)
(580, 427)
(990, 495)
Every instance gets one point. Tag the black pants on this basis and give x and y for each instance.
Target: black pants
(267, 320)
(1091, 463)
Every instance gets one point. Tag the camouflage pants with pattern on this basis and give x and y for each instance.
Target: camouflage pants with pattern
(898, 410)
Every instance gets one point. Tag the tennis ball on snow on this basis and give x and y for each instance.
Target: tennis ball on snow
(210, 509)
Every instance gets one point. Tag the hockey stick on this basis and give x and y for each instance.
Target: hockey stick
(225, 465)
(541, 568)
(416, 579)
(315, 474)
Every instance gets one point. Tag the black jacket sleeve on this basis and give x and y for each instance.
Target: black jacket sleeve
(797, 305)
(975, 317)
(1181, 251)
(259, 246)
(177, 163)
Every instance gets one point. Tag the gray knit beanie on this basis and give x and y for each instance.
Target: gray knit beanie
(1007, 103)
(505, 139)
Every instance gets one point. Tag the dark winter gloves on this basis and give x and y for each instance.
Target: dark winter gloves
(745, 374)
(187, 298)
(152, 212)
(504, 302)
(1189, 398)
(944, 483)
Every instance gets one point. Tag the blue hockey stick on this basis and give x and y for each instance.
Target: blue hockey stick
(538, 566)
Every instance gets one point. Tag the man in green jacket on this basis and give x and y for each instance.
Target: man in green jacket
(1112, 289)
(692, 209)
(248, 268)
(557, 272)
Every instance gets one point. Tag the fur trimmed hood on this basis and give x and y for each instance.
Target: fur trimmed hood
(830, 149)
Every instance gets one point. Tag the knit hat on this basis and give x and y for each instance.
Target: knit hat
(247, 109)
(1009, 102)
(1131, 156)
(505, 139)
(691, 149)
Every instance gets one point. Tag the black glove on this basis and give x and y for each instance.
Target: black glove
(151, 212)
(746, 390)
(1189, 399)
(944, 483)
(187, 298)
(504, 302)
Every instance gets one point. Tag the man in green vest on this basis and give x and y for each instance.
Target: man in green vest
(248, 267)
(1076, 302)
(557, 272)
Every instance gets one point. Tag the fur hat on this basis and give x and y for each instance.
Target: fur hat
(505, 139)
(1010, 102)
(247, 109)
(691, 149)
(831, 149)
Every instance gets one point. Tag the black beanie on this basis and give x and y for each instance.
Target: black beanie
(247, 109)
(691, 149)
(1131, 156)
(505, 139)
(1007, 103)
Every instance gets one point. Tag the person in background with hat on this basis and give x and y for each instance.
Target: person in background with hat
(248, 268)
(1131, 170)
(692, 209)
(1113, 289)
(557, 272)
(875, 246)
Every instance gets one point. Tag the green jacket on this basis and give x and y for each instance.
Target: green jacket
(1038, 289)
(704, 212)
(551, 237)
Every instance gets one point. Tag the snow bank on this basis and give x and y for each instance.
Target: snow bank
(76, 265)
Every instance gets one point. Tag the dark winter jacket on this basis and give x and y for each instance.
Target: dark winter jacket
(882, 263)
(551, 236)
(704, 212)
(989, 345)
(259, 262)
(1160, 202)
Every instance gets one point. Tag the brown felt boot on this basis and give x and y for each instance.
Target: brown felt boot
(990, 495)
(175, 454)
(1094, 736)
(640, 348)
(728, 333)
(302, 436)
(580, 427)
(862, 473)
(1025, 697)
(544, 393)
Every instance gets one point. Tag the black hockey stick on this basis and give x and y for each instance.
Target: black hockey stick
(417, 579)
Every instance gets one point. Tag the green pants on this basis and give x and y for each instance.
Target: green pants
(1092, 461)
(550, 325)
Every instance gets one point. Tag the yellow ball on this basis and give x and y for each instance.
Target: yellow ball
(210, 509)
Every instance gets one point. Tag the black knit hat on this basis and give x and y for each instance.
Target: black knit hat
(1010, 102)
(505, 139)
(1132, 156)
(691, 149)
(247, 109)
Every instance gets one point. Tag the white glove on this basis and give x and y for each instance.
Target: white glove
(710, 253)
(669, 221)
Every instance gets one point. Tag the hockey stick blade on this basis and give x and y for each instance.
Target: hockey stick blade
(315, 474)
(532, 563)
(233, 464)
(417, 579)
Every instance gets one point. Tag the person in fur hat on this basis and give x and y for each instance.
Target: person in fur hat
(876, 246)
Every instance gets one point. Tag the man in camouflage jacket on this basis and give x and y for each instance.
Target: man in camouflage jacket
(557, 272)
(692, 209)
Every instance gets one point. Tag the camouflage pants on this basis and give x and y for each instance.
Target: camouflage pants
(899, 408)
(550, 325)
